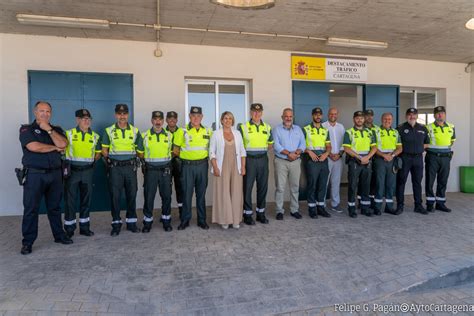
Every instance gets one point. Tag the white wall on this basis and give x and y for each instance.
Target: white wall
(472, 115)
(160, 81)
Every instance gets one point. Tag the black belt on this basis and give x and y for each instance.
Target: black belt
(151, 167)
(82, 168)
(194, 162)
(450, 154)
(411, 155)
(122, 163)
(36, 170)
(257, 156)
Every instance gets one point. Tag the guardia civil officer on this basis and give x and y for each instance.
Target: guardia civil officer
(191, 143)
(359, 146)
(157, 143)
(318, 148)
(369, 123)
(42, 144)
(82, 151)
(172, 127)
(121, 144)
(415, 139)
(438, 160)
(388, 147)
(258, 139)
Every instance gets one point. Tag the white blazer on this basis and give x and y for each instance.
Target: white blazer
(217, 146)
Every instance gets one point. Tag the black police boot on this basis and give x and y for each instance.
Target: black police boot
(69, 233)
(65, 240)
(133, 227)
(203, 225)
(248, 220)
(441, 207)
(261, 218)
(85, 230)
(352, 212)
(399, 210)
(146, 227)
(167, 225)
(390, 210)
(377, 211)
(115, 230)
(322, 212)
(183, 225)
(366, 211)
(312, 212)
(430, 207)
(26, 249)
(69, 229)
(420, 209)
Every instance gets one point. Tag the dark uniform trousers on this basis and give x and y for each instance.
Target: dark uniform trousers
(157, 178)
(412, 163)
(385, 182)
(359, 179)
(176, 178)
(256, 170)
(372, 190)
(317, 174)
(437, 167)
(80, 182)
(194, 177)
(47, 183)
(123, 177)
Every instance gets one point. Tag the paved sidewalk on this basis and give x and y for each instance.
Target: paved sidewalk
(286, 266)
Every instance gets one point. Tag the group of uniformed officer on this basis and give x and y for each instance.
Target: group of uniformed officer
(180, 155)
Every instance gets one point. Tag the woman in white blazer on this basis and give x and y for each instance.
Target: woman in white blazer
(227, 154)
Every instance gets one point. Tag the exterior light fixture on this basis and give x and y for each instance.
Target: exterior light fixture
(345, 42)
(44, 20)
(246, 4)
(470, 24)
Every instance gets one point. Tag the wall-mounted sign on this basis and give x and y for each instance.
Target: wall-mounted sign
(328, 68)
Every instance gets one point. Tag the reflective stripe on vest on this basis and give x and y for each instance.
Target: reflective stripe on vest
(81, 150)
(260, 138)
(360, 145)
(122, 145)
(316, 138)
(440, 138)
(387, 140)
(155, 149)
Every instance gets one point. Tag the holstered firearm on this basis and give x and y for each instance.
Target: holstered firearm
(21, 175)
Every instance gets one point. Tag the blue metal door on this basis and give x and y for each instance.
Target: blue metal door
(69, 91)
(306, 96)
(381, 99)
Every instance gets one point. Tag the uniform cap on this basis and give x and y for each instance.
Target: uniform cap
(171, 114)
(83, 113)
(256, 107)
(195, 110)
(439, 109)
(412, 111)
(121, 108)
(358, 113)
(317, 110)
(157, 114)
(369, 112)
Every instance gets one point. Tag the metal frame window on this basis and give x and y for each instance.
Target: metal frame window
(424, 100)
(217, 96)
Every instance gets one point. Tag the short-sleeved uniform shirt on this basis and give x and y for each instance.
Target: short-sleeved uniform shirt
(33, 133)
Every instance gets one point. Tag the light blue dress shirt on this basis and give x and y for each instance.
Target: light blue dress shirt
(290, 139)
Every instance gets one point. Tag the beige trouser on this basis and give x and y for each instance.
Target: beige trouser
(287, 171)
